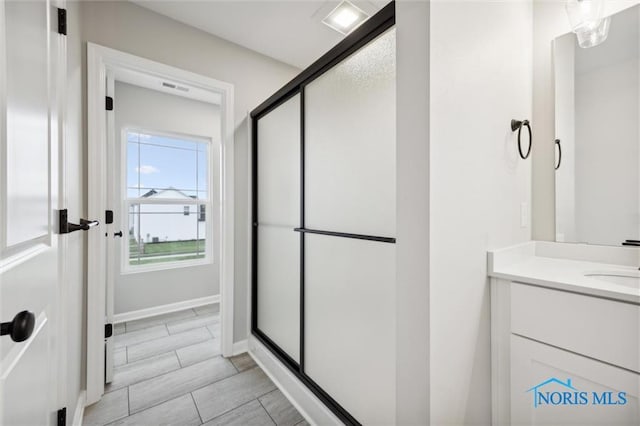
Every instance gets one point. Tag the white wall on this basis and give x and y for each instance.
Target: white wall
(550, 21)
(412, 212)
(130, 28)
(480, 80)
(145, 109)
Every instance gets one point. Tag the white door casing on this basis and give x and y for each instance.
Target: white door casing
(100, 62)
(32, 83)
(109, 229)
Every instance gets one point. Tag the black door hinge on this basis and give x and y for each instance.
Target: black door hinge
(62, 21)
(108, 330)
(108, 103)
(62, 416)
(108, 216)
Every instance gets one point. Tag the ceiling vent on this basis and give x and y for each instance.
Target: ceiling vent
(174, 86)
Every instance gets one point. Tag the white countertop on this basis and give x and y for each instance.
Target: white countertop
(563, 266)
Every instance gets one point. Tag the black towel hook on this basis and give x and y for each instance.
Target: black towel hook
(518, 125)
(559, 154)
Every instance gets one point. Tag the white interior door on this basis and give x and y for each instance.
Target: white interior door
(30, 49)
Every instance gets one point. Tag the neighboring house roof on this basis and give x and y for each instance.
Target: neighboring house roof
(166, 193)
(554, 380)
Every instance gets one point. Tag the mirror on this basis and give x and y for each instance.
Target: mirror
(597, 112)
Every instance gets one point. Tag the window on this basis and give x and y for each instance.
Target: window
(166, 197)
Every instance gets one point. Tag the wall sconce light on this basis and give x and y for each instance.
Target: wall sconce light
(588, 21)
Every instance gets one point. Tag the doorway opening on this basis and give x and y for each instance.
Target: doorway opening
(161, 177)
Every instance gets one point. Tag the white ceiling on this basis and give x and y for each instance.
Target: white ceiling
(290, 31)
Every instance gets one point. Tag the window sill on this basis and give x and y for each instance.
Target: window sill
(129, 270)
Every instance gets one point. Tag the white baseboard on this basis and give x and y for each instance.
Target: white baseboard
(165, 309)
(79, 413)
(240, 347)
(311, 408)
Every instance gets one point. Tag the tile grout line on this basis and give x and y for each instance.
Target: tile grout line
(234, 365)
(166, 352)
(205, 325)
(232, 409)
(175, 354)
(209, 331)
(158, 375)
(169, 320)
(164, 337)
(197, 409)
(152, 377)
(267, 393)
(150, 339)
(265, 410)
(286, 399)
(171, 371)
(213, 319)
(158, 404)
(271, 391)
(148, 408)
(178, 357)
(159, 323)
(194, 390)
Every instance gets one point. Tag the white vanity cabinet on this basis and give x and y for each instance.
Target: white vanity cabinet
(534, 362)
(563, 352)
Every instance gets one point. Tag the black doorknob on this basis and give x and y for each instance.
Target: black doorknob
(117, 234)
(20, 328)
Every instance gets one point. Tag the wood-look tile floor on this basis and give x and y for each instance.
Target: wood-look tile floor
(169, 371)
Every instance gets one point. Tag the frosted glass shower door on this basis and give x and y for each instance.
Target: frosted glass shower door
(350, 324)
(324, 224)
(278, 212)
(349, 235)
(350, 148)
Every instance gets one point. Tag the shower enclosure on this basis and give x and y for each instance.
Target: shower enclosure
(324, 224)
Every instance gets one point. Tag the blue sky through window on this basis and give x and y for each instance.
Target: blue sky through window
(161, 162)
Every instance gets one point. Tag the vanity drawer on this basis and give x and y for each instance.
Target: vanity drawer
(599, 328)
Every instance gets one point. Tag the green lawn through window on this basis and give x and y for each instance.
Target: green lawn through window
(166, 251)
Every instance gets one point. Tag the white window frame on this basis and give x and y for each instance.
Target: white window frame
(125, 267)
